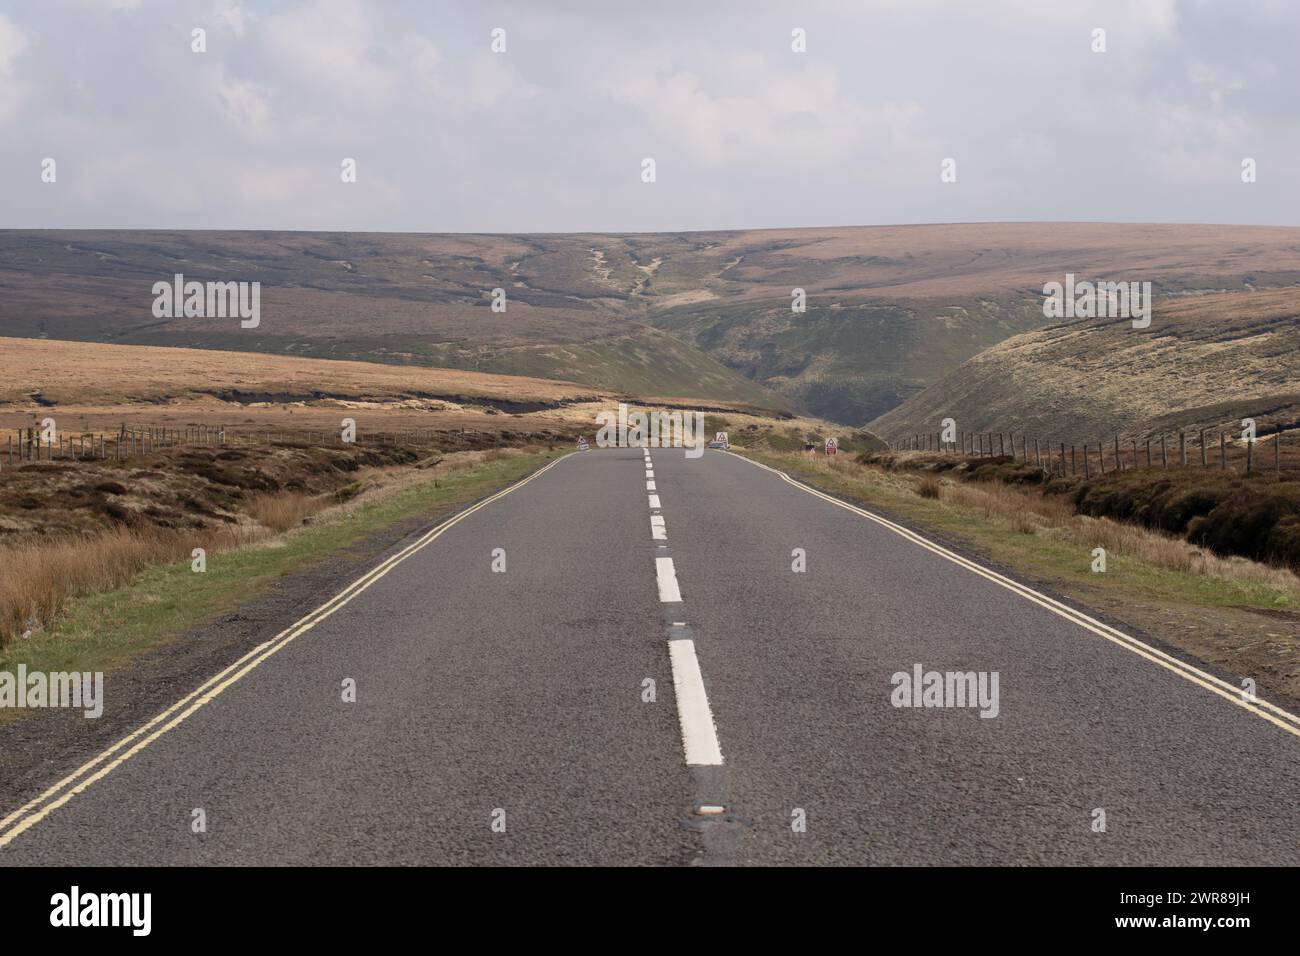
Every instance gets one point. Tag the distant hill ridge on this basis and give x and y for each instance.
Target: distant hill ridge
(890, 309)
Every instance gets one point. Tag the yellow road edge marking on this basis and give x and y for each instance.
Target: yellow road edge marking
(23, 819)
(1259, 707)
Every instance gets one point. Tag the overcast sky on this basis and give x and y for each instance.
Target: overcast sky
(550, 135)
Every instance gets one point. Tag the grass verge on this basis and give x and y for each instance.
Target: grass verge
(1042, 537)
(101, 631)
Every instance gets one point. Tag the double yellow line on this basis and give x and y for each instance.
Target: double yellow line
(101, 766)
(1257, 706)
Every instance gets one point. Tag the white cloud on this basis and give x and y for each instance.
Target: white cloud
(232, 15)
(326, 50)
(12, 44)
(798, 116)
(246, 105)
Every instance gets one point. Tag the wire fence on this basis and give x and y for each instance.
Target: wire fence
(1204, 448)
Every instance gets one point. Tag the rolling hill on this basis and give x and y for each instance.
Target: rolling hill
(1206, 361)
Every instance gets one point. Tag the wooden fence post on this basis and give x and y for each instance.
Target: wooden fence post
(1164, 454)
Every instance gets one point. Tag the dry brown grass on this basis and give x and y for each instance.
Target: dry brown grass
(1028, 511)
(44, 573)
(91, 373)
(1031, 512)
(286, 510)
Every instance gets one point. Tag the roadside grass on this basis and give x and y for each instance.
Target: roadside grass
(101, 630)
(286, 510)
(1043, 538)
(1256, 515)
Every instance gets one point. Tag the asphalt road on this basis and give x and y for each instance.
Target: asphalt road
(502, 717)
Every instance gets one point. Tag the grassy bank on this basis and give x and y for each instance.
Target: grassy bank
(1043, 535)
(1255, 515)
(101, 630)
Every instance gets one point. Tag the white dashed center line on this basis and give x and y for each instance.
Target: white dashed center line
(699, 735)
(666, 574)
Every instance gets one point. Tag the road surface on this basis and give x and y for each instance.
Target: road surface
(648, 681)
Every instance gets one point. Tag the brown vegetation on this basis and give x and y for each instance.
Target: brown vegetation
(43, 573)
(158, 515)
(1254, 516)
(284, 511)
(90, 374)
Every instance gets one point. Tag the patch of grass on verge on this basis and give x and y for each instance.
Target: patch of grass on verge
(1042, 556)
(101, 631)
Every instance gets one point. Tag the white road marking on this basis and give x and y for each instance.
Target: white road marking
(666, 575)
(699, 734)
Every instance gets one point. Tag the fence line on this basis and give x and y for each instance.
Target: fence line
(130, 441)
(1215, 451)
